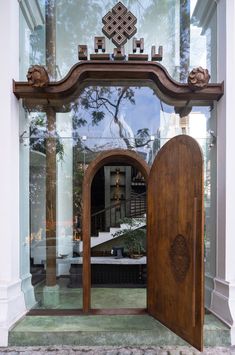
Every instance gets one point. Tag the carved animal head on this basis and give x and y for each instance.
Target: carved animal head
(37, 76)
(198, 78)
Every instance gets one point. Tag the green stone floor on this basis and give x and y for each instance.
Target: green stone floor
(101, 297)
(103, 330)
(118, 330)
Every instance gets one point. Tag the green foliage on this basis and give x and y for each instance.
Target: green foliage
(39, 134)
(142, 137)
(134, 236)
(97, 116)
(78, 175)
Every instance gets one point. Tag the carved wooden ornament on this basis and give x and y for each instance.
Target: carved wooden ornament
(198, 78)
(179, 257)
(119, 24)
(37, 76)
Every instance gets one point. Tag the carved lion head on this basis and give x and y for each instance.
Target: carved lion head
(37, 76)
(198, 78)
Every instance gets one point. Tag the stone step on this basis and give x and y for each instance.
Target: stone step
(115, 350)
(107, 330)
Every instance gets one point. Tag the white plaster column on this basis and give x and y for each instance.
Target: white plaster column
(223, 297)
(204, 17)
(12, 305)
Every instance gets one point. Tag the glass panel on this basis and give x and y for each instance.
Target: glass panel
(53, 235)
(210, 207)
(60, 148)
(172, 24)
(103, 117)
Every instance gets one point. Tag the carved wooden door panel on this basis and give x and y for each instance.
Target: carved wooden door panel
(175, 239)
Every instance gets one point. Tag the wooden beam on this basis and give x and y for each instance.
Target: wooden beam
(51, 150)
(106, 72)
(51, 200)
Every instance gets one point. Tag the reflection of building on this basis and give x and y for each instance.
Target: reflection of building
(118, 192)
(193, 124)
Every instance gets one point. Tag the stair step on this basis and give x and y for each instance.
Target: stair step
(107, 330)
(114, 230)
(104, 237)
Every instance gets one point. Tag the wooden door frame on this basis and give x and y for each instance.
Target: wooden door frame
(120, 156)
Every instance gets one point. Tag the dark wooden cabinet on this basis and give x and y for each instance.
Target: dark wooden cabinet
(117, 191)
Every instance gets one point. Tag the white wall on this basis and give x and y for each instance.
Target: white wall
(223, 298)
(12, 305)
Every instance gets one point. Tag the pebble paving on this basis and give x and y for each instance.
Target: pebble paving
(77, 350)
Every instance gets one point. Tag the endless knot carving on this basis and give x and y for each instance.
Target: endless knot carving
(179, 258)
(119, 24)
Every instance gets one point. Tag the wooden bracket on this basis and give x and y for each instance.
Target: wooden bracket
(82, 52)
(119, 53)
(142, 57)
(157, 56)
(99, 44)
(138, 43)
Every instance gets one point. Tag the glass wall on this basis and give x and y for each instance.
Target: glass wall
(170, 23)
(58, 144)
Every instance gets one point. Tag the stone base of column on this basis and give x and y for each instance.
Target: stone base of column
(209, 287)
(28, 291)
(51, 296)
(223, 304)
(12, 308)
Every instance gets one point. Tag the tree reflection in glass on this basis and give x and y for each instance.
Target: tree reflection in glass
(116, 117)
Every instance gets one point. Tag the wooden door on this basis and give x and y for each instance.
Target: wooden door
(175, 239)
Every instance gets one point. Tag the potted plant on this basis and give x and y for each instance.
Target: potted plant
(134, 236)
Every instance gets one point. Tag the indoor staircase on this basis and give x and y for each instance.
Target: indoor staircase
(115, 232)
(108, 223)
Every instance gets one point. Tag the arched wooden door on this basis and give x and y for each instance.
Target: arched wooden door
(175, 239)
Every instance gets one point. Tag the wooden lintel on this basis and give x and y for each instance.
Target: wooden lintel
(118, 71)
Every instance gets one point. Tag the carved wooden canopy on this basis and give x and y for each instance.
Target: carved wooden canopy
(58, 94)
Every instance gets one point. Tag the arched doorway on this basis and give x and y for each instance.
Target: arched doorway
(119, 156)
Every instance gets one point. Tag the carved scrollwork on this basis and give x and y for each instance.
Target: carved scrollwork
(179, 257)
(198, 78)
(37, 76)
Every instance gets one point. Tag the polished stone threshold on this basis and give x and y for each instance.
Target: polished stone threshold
(107, 330)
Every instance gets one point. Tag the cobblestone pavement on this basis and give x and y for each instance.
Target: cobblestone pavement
(77, 350)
